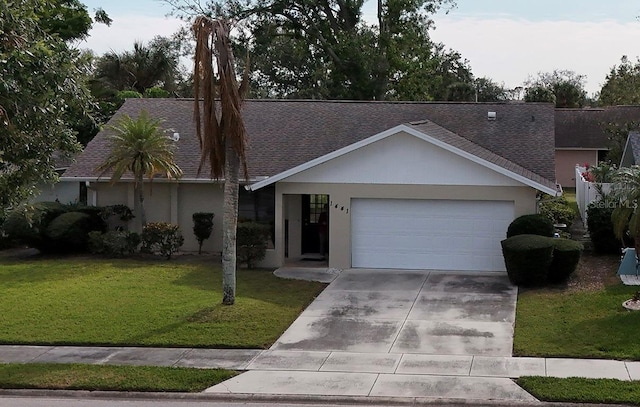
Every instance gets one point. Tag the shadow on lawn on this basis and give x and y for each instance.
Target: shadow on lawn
(258, 284)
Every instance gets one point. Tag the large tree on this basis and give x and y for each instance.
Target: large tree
(327, 50)
(40, 80)
(140, 147)
(222, 136)
(622, 84)
(567, 88)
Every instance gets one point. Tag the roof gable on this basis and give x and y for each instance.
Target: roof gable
(394, 157)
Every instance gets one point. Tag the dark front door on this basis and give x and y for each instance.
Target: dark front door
(313, 207)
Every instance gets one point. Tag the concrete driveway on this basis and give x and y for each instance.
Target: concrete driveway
(408, 312)
(398, 333)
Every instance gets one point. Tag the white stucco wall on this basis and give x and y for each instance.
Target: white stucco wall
(402, 159)
(63, 191)
(176, 203)
(524, 199)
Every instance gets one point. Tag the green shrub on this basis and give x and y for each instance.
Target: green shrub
(161, 237)
(114, 243)
(202, 227)
(534, 224)
(251, 242)
(122, 212)
(557, 210)
(601, 227)
(566, 255)
(527, 258)
(28, 226)
(156, 92)
(69, 232)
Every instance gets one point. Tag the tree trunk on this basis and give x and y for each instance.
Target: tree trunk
(139, 202)
(229, 224)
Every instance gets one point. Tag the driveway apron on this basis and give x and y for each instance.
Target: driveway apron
(408, 312)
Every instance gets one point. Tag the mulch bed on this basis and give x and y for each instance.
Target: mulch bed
(595, 271)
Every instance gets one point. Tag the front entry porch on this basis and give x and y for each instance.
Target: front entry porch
(306, 230)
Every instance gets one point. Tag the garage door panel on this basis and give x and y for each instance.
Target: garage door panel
(429, 234)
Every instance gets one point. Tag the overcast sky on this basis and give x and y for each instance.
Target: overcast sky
(506, 40)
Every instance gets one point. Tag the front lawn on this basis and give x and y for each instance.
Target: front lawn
(116, 378)
(584, 320)
(85, 300)
(579, 390)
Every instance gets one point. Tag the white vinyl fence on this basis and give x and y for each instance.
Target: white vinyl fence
(587, 192)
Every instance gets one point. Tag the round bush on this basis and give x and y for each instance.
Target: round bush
(527, 258)
(29, 226)
(69, 232)
(534, 224)
(566, 255)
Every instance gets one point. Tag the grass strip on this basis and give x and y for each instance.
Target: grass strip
(109, 378)
(580, 390)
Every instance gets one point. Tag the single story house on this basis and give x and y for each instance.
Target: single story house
(406, 185)
(581, 137)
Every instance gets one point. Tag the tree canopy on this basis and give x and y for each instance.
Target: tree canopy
(327, 50)
(566, 87)
(622, 84)
(40, 79)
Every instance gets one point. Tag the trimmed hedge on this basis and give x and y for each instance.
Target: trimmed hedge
(251, 242)
(202, 227)
(114, 243)
(69, 231)
(534, 224)
(527, 258)
(566, 255)
(601, 227)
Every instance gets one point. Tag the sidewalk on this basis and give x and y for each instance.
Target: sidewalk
(272, 372)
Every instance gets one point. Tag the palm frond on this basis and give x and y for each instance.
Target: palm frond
(212, 42)
(140, 147)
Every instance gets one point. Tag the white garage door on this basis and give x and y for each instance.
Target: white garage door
(429, 234)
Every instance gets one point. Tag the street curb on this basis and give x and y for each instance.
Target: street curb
(257, 398)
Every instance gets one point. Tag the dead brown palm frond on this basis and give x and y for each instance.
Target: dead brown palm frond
(217, 83)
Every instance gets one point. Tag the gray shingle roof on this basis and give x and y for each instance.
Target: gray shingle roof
(583, 128)
(285, 133)
(444, 135)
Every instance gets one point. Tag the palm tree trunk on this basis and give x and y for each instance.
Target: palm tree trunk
(139, 192)
(229, 224)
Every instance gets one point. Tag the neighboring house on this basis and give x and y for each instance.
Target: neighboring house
(631, 154)
(408, 185)
(581, 137)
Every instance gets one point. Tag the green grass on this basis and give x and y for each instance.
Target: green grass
(116, 378)
(584, 324)
(143, 302)
(582, 390)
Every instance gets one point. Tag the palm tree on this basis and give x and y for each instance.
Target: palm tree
(626, 193)
(155, 64)
(222, 137)
(140, 147)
